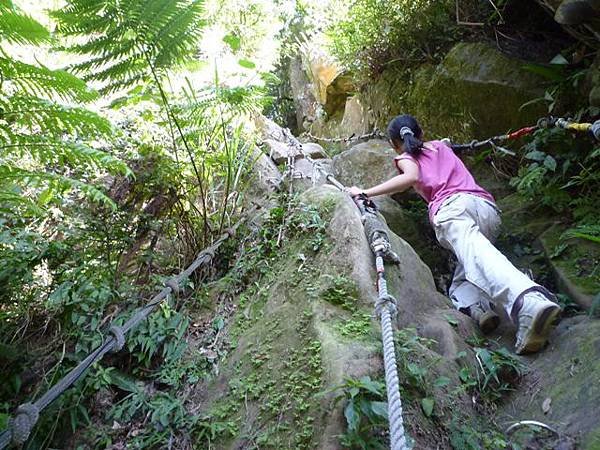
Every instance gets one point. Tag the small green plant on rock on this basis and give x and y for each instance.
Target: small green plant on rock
(467, 436)
(365, 413)
(495, 373)
(357, 326)
(340, 291)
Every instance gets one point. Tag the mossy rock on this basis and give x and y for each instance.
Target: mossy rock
(524, 216)
(567, 373)
(307, 327)
(475, 92)
(365, 164)
(385, 97)
(575, 266)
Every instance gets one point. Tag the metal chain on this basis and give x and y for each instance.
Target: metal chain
(27, 415)
(544, 122)
(376, 133)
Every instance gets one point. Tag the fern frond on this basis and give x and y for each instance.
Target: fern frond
(43, 82)
(56, 153)
(127, 38)
(36, 179)
(36, 115)
(19, 28)
(590, 232)
(228, 101)
(9, 201)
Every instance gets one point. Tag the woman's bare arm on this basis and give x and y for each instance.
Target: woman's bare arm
(400, 183)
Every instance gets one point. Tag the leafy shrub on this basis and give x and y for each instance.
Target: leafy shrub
(365, 412)
(375, 32)
(46, 133)
(561, 173)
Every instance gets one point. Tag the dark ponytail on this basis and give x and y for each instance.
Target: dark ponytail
(406, 130)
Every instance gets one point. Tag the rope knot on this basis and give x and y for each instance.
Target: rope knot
(21, 425)
(230, 232)
(386, 301)
(119, 337)
(382, 244)
(173, 283)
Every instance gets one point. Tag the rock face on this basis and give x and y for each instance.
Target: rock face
(304, 98)
(475, 84)
(304, 329)
(297, 337)
(570, 269)
(265, 179)
(593, 83)
(355, 119)
(365, 164)
(268, 177)
(574, 267)
(567, 373)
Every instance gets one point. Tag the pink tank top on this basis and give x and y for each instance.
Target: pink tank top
(442, 174)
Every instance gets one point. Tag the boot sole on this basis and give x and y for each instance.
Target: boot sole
(489, 322)
(540, 329)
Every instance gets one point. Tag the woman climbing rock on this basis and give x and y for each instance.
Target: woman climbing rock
(466, 220)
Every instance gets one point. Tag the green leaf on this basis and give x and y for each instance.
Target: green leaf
(552, 73)
(371, 385)
(17, 383)
(380, 409)
(532, 102)
(451, 320)
(464, 374)
(19, 28)
(218, 323)
(415, 370)
(246, 63)
(427, 406)
(550, 163)
(233, 41)
(45, 197)
(4, 420)
(441, 381)
(122, 43)
(595, 306)
(536, 155)
(558, 250)
(352, 418)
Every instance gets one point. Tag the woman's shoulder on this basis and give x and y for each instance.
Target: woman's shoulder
(436, 145)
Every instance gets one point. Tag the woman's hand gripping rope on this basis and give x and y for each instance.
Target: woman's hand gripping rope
(354, 191)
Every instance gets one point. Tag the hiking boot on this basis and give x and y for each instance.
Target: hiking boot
(535, 320)
(487, 319)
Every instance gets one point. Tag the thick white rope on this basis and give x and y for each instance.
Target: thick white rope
(385, 307)
(392, 383)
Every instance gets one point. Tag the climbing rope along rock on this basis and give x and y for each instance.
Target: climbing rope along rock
(27, 414)
(385, 306)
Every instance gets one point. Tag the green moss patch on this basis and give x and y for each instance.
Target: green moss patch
(476, 92)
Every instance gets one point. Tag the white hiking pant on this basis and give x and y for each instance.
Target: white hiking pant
(467, 225)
